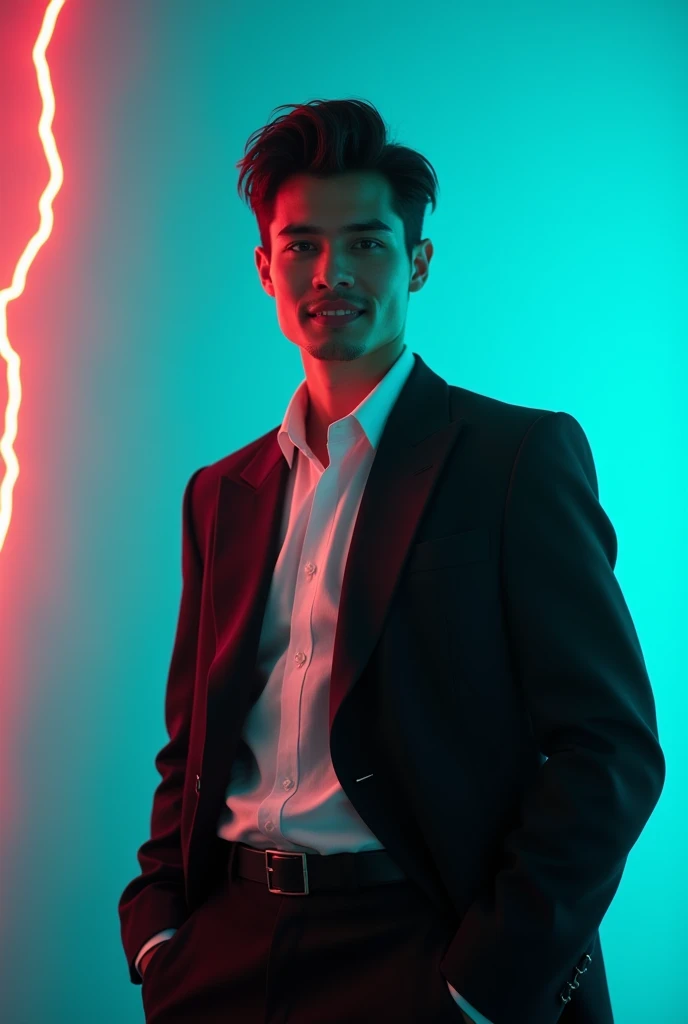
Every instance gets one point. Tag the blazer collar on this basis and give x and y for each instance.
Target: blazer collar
(417, 439)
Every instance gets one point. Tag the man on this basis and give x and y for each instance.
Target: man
(404, 660)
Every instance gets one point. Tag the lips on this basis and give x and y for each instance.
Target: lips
(337, 316)
(333, 305)
(336, 321)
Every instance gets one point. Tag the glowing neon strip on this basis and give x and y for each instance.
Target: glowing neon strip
(11, 357)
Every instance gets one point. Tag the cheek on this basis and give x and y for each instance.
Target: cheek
(288, 305)
(395, 308)
(290, 299)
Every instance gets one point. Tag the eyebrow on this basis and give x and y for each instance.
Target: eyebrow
(313, 229)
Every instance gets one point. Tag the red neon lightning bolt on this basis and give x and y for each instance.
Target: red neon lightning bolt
(26, 259)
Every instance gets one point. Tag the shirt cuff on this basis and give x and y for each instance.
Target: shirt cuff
(465, 1005)
(166, 934)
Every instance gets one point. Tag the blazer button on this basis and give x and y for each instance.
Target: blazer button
(583, 964)
(198, 783)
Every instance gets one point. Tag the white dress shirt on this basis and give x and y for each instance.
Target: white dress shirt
(284, 793)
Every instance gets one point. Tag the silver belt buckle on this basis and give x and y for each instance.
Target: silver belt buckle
(269, 869)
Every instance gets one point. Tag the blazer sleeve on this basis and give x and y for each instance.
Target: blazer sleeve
(155, 899)
(578, 661)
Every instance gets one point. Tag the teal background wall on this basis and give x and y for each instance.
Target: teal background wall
(149, 349)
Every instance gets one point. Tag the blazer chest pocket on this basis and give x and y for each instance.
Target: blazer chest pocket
(445, 552)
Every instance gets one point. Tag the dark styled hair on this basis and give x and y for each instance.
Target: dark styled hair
(328, 137)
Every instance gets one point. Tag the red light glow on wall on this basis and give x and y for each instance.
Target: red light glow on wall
(10, 356)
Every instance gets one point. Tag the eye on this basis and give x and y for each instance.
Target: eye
(373, 240)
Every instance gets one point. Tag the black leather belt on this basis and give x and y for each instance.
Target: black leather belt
(297, 874)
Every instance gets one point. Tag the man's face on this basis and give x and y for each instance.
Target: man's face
(367, 267)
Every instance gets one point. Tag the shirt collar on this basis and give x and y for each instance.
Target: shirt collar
(369, 416)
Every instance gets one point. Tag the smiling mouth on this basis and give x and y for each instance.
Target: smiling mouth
(336, 316)
(336, 321)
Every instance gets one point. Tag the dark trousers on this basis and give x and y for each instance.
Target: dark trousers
(249, 956)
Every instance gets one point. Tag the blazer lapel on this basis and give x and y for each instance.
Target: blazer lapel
(418, 437)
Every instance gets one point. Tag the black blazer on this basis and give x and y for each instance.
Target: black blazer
(487, 682)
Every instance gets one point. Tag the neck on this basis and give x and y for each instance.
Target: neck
(335, 389)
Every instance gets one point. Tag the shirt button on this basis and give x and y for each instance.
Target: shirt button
(269, 826)
(287, 784)
(299, 658)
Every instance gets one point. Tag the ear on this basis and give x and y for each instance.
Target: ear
(263, 267)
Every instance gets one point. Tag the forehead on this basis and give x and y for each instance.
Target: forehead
(331, 202)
